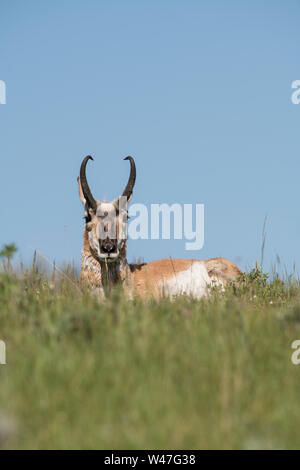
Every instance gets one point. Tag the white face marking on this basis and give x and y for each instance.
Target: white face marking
(108, 224)
(193, 282)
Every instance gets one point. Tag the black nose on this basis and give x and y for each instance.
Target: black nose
(108, 246)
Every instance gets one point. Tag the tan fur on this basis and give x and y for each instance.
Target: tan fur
(222, 269)
(144, 280)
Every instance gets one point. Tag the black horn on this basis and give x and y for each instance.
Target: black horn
(84, 184)
(131, 181)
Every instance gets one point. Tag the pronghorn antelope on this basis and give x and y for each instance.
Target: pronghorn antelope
(103, 258)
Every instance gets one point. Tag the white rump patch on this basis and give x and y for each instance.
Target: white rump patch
(193, 282)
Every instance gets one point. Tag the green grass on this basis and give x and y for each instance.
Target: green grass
(125, 374)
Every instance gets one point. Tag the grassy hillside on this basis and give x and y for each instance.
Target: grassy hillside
(126, 374)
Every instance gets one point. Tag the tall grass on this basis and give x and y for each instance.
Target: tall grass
(80, 373)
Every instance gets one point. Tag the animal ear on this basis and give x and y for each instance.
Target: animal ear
(82, 198)
(129, 198)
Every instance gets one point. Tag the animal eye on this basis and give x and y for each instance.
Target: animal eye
(87, 219)
(88, 227)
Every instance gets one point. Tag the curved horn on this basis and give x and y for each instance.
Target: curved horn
(131, 181)
(84, 184)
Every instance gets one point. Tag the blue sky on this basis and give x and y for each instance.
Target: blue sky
(199, 92)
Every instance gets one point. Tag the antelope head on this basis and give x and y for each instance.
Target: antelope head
(105, 222)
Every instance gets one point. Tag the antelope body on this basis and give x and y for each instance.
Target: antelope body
(103, 258)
